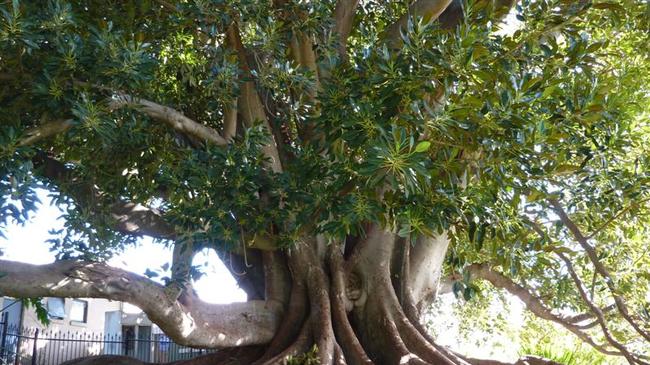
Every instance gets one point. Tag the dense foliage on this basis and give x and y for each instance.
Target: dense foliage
(505, 136)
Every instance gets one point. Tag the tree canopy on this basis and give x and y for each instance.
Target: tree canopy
(503, 141)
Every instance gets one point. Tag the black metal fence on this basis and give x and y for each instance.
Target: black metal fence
(33, 346)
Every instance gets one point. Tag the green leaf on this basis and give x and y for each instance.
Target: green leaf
(422, 146)
(549, 91)
(42, 313)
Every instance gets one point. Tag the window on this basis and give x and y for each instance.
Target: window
(79, 311)
(56, 308)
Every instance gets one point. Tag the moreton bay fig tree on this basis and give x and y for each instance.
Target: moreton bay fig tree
(346, 159)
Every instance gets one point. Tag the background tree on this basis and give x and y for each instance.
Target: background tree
(343, 157)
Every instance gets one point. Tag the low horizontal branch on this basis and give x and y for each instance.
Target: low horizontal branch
(187, 320)
(600, 317)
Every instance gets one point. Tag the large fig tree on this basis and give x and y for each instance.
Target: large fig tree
(347, 159)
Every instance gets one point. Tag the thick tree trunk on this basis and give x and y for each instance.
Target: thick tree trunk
(357, 308)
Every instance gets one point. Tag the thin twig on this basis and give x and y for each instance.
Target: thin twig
(633, 359)
(615, 217)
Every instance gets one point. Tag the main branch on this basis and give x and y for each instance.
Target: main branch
(45, 130)
(128, 217)
(172, 117)
(343, 20)
(249, 103)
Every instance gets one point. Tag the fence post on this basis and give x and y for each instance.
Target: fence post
(19, 332)
(3, 337)
(35, 349)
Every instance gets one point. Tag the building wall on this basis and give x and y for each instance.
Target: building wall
(56, 341)
(95, 317)
(13, 310)
(110, 328)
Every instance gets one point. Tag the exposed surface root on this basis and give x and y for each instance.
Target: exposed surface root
(397, 352)
(414, 341)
